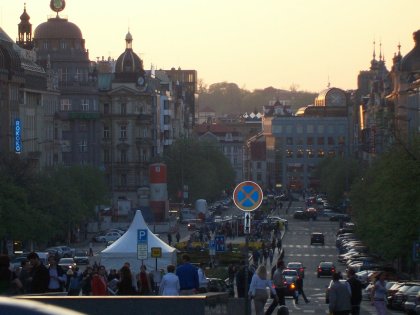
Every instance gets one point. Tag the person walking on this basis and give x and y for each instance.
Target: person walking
(98, 282)
(39, 276)
(279, 244)
(170, 283)
(378, 294)
(356, 291)
(58, 278)
(241, 275)
(144, 284)
(278, 282)
(258, 289)
(178, 237)
(188, 277)
(125, 284)
(202, 279)
(339, 296)
(299, 290)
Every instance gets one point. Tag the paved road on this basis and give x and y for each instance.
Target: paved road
(297, 248)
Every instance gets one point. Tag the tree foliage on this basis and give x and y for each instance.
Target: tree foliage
(228, 98)
(48, 205)
(386, 203)
(199, 165)
(336, 176)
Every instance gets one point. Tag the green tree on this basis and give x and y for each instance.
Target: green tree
(199, 165)
(386, 203)
(336, 176)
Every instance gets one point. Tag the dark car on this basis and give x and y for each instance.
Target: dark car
(67, 263)
(317, 238)
(340, 217)
(290, 276)
(298, 266)
(300, 214)
(398, 299)
(81, 257)
(219, 285)
(325, 268)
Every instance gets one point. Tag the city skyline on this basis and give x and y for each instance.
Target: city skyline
(308, 44)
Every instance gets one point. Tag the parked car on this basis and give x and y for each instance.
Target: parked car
(110, 236)
(55, 251)
(340, 217)
(67, 251)
(398, 299)
(290, 276)
(16, 262)
(67, 263)
(412, 298)
(317, 238)
(325, 268)
(298, 266)
(81, 257)
(219, 285)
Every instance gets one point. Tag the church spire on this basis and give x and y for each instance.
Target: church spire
(25, 31)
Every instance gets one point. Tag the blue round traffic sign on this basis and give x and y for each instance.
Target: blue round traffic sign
(248, 196)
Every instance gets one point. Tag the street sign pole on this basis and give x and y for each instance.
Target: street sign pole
(247, 197)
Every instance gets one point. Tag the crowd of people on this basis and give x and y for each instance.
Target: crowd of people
(33, 277)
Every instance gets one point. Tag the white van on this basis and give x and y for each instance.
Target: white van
(187, 214)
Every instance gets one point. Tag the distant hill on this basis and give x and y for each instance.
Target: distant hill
(228, 98)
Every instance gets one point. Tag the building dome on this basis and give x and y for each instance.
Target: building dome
(128, 61)
(411, 61)
(57, 28)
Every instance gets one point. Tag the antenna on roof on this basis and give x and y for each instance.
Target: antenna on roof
(328, 83)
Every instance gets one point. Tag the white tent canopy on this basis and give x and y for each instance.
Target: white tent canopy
(125, 249)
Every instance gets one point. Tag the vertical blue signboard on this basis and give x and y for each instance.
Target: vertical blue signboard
(18, 133)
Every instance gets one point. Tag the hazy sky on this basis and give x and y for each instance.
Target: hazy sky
(255, 44)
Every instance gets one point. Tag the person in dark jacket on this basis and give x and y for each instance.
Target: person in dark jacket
(299, 290)
(356, 291)
(39, 276)
(240, 280)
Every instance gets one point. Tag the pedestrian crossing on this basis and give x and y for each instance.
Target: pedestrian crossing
(308, 246)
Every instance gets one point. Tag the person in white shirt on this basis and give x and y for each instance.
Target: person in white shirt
(170, 283)
(258, 289)
(202, 279)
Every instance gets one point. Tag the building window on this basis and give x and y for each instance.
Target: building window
(107, 156)
(258, 165)
(341, 140)
(288, 129)
(310, 141)
(228, 136)
(123, 132)
(123, 109)
(63, 44)
(289, 140)
(106, 108)
(145, 132)
(83, 126)
(85, 105)
(235, 161)
(65, 104)
(321, 153)
(299, 129)
(123, 180)
(45, 44)
(83, 146)
(144, 155)
(123, 156)
(299, 141)
(320, 128)
(165, 104)
(78, 76)
(259, 177)
(320, 141)
(107, 132)
(166, 119)
(331, 141)
(310, 128)
(310, 153)
(299, 153)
